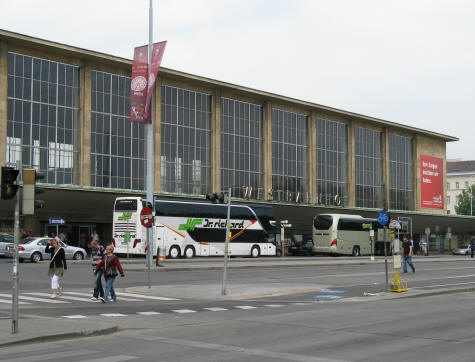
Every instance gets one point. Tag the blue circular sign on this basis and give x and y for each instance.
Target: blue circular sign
(383, 217)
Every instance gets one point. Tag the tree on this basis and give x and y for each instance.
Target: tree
(466, 197)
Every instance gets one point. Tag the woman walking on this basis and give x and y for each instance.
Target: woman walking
(57, 266)
(109, 264)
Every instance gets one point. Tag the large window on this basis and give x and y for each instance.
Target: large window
(186, 118)
(400, 173)
(289, 156)
(43, 99)
(331, 162)
(241, 139)
(368, 167)
(117, 145)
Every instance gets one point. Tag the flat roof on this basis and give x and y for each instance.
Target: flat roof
(85, 53)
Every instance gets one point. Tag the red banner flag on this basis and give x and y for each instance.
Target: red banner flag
(141, 90)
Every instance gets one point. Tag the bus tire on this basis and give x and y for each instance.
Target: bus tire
(190, 252)
(255, 251)
(174, 252)
(356, 251)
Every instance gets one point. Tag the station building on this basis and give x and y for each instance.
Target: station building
(65, 111)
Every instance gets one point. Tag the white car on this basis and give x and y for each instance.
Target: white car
(462, 250)
(5, 240)
(34, 250)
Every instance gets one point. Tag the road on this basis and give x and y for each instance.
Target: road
(270, 314)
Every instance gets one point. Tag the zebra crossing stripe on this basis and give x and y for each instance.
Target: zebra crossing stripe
(52, 301)
(245, 307)
(273, 305)
(76, 316)
(117, 358)
(113, 315)
(216, 309)
(90, 295)
(10, 302)
(133, 295)
(60, 297)
(182, 311)
(148, 313)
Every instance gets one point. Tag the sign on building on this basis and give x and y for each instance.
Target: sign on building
(432, 176)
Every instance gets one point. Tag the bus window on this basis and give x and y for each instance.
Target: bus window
(351, 224)
(126, 205)
(241, 213)
(323, 222)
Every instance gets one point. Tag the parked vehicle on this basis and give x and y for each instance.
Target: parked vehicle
(5, 240)
(462, 250)
(300, 248)
(33, 249)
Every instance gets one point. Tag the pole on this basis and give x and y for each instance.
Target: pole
(386, 256)
(226, 244)
(149, 131)
(282, 238)
(16, 233)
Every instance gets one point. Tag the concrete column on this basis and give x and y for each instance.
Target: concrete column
(216, 142)
(385, 162)
(84, 125)
(312, 156)
(3, 100)
(157, 133)
(267, 149)
(351, 165)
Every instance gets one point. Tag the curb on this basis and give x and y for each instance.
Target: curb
(61, 336)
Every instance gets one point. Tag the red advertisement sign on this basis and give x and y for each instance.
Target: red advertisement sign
(432, 177)
(141, 90)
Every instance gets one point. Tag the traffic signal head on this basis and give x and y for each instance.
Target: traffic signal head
(30, 190)
(9, 188)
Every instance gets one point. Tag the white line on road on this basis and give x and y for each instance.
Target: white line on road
(118, 358)
(148, 313)
(75, 316)
(215, 309)
(442, 285)
(10, 302)
(114, 315)
(52, 301)
(90, 295)
(245, 307)
(273, 305)
(53, 355)
(182, 311)
(61, 297)
(143, 296)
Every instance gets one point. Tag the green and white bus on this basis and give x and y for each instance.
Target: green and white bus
(342, 234)
(194, 228)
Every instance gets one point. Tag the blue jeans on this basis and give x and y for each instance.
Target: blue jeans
(98, 290)
(407, 259)
(110, 288)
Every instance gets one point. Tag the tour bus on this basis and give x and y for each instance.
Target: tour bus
(194, 228)
(344, 235)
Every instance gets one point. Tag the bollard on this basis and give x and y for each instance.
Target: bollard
(160, 255)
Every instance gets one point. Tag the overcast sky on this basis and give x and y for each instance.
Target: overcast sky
(410, 62)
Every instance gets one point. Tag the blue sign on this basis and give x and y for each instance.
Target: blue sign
(57, 221)
(333, 291)
(383, 217)
(328, 297)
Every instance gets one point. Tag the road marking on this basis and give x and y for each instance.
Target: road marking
(113, 315)
(143, 296)
(118, 358)
(236, 349)
(90, 295)
(10, 302)
(54, 355)
(244, 307)
(60, 297)
(215, 309)
(273, 305)
(148, 313)
(183, 311)
(442, 285)
(75, 316)
(52, 301)
(300, 303)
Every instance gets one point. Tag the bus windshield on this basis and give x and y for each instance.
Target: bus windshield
(126, 205)
(323, 222)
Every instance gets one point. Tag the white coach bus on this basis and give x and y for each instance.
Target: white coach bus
(193, 228)
(344, 234)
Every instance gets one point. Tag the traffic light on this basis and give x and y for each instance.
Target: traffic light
(9, 188)
(30, 190)
(216, 198)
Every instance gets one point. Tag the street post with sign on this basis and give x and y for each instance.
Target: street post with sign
(449, 236)
(146, 219)
(57, 221)
(397, 284)
(283, 224)
(383, 219)
(427, 231)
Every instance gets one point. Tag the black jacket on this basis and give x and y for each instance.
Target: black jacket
(59, 260)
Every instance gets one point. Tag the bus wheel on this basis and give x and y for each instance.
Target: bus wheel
(255, 251)
(174, 252)
(356, 251)
(190, 252)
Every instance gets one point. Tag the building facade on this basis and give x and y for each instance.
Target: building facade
(65, 111)
(460, 177)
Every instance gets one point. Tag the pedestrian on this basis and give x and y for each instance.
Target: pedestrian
(57, 266)
(110, 264)
(95, 236)
(472, 247)
(97, 254)
(407, 253)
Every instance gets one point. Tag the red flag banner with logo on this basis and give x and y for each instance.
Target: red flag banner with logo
(432, 178)
(140, 89)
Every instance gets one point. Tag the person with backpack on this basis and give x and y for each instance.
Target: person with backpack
(111, 267)
(57, 266)
(97, 254)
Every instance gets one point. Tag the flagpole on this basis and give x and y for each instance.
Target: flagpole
(149, 131)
